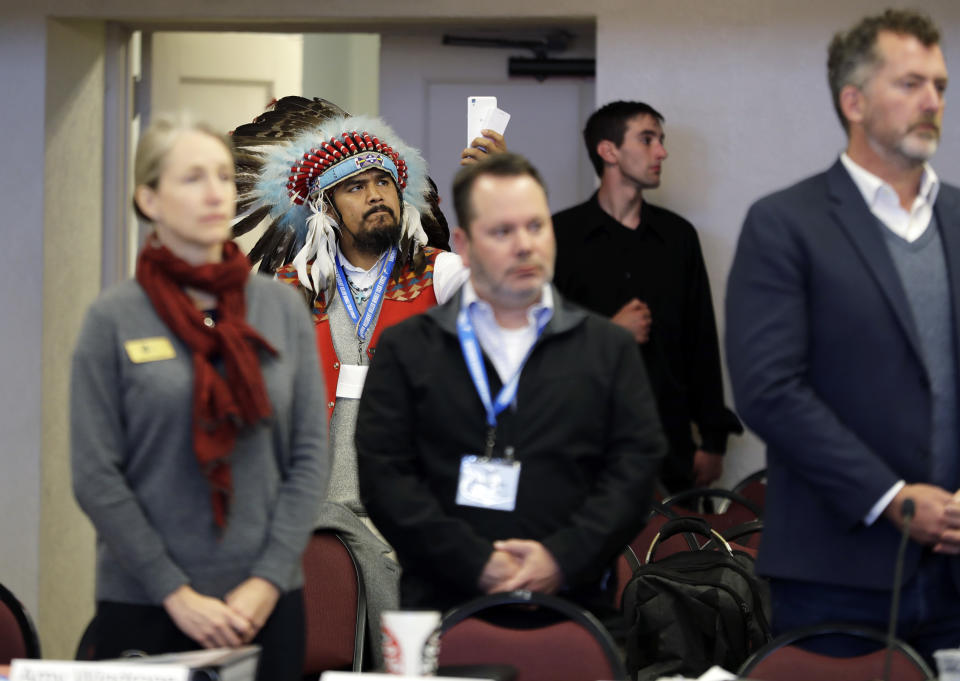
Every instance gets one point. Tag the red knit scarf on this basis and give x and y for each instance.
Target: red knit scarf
(220, 405)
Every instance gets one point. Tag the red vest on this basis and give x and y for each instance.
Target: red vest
(409, 295)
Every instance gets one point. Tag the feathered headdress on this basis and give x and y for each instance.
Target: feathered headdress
(291, 155)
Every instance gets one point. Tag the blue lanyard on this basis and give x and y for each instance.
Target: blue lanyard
(474, 359)
(376, 298)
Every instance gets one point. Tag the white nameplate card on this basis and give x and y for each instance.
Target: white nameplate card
(350, 382)
(233, 664)
(55, 670)
(377, 676)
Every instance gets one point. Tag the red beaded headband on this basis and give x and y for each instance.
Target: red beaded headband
(325, 165)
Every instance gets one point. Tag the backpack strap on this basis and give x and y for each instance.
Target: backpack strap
(686, 524)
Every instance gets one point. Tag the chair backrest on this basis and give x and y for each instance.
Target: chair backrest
(86, 650)
(783, 659)
(660, 514)
(745, 537)
(571, 646)
(18, 636)
(753, 488)
(738, 511)
(334, 604)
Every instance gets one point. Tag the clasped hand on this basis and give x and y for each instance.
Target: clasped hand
(231, 622)
(936, 519)
(520, 564)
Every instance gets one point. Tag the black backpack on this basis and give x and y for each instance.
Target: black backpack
(694, 609)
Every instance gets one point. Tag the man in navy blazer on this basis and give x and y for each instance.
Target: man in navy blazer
(843, 306)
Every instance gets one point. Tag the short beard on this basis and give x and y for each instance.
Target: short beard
(378, 240)
(918, 150)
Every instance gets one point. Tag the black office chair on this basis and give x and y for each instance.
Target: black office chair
(691, 503)
(753, 488)
(569, 645)
(18, 636)
(783, 659)
(335, 605)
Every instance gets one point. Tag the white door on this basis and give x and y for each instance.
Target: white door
(424, 87)
(545, 125)
(225, 79)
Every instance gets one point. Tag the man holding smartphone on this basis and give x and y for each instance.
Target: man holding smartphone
(361, 204)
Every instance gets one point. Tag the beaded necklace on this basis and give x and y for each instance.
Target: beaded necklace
(360, 294)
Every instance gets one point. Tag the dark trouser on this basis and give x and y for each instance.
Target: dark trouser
(929, 610)
(121, 627)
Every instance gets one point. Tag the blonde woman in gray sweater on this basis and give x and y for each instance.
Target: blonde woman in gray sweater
(198, 442)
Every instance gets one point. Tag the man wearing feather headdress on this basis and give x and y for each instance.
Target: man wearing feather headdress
(350, 209)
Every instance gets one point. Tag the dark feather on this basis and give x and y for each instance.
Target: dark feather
(434, 222)
(246, 186)
(248, 161)
(282, 252)
(250, 221)
(244, 204)
(266, 242)
(288, 117)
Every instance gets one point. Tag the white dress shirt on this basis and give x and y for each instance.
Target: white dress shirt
(506, 348)
(884, 203)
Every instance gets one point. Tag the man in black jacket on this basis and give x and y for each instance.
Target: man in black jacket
(506, 440)
(641, 265)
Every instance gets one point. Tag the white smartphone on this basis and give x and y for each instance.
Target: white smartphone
(477, 108)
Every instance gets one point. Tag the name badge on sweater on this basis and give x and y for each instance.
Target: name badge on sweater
(350, 381)
(154, 349)
(488, 483)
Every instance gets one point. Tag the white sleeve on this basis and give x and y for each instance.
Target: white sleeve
(449, 273)
(885, 500)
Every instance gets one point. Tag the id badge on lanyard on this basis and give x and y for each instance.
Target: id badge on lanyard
(487, 481)
(364, 322)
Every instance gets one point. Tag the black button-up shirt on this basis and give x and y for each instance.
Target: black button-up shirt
(602, 265)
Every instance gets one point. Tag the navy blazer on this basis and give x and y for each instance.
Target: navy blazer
(826, 368)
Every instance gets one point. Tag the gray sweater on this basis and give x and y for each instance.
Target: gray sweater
(922, 267)
(135, 473)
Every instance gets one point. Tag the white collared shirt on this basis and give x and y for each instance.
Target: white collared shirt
(884, 203)
(449, 273)
(360, 277)
(506, 348)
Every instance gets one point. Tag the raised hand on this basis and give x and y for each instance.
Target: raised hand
(489, 142)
